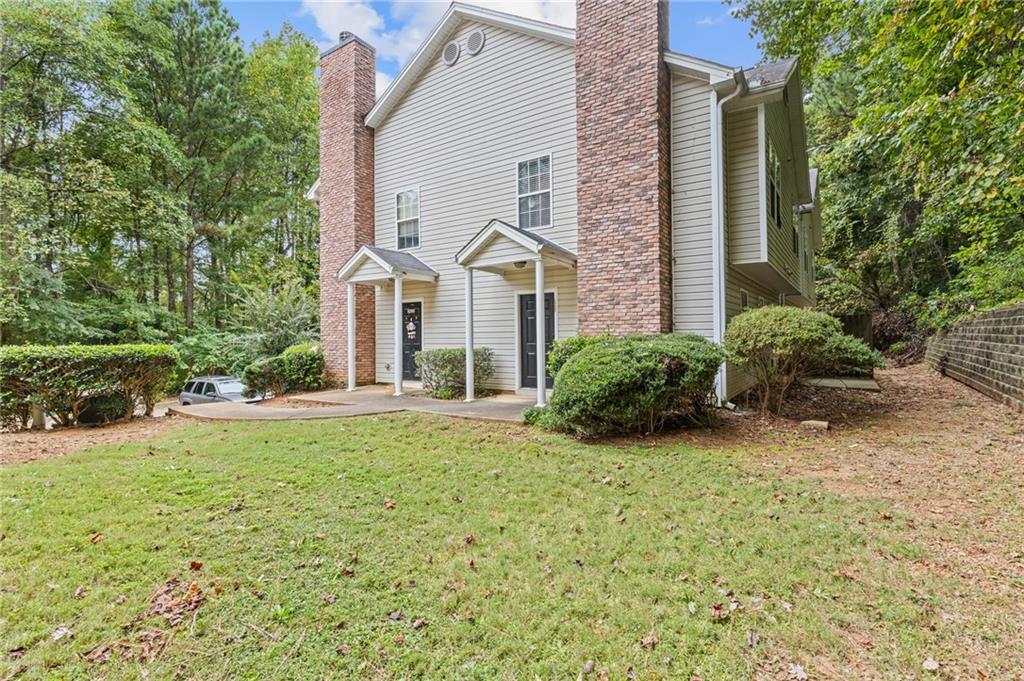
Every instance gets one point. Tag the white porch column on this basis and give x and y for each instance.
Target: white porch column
(398, 335)
(469, 336)
(541, 345)
(351, 336)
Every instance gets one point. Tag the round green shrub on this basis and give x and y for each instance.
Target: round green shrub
(303, 366)
(633, 385)
(443, 371)
(265, 376)
(780, 344)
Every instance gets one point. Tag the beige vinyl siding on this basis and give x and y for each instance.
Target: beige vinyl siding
(458, 135)
(743, 190)
(692, 228)
(780, 239)
(500, 249)
(368, 268)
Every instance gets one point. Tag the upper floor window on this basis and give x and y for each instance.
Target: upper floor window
(773, 171)
(407, 217)
(534, 192)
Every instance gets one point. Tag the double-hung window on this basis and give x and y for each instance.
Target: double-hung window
(534, 192)
(773, 171)
(407, 217)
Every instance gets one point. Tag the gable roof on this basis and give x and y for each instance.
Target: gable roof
(392, 262)
(534, 243)
(458, 12)
(770, 75)
(443, 29)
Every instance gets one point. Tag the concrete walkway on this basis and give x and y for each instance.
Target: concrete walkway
(373, 399)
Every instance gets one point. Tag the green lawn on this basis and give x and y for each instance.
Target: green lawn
(524, 554)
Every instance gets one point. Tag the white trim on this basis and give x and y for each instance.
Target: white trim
(439, 36)
(703, 69)
(762, 181)
(515, 297)
(351, 331)
(418, 218)
(548, 250)
(550, 190)
(313, 193)
(389, 272)
(470, 378)
(541, 313)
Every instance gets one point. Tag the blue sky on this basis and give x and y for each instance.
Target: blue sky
(702, 29)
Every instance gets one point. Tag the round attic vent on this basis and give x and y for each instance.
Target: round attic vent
(475, 42)
(450, 53)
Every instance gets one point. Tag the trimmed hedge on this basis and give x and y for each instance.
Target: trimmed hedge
(635, 384)
(300, 367)
(443, 371)
(62, 379)
(564, 348)
(780, 344)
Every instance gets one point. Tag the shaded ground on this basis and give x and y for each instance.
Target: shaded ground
(946, 459)
(33, 445)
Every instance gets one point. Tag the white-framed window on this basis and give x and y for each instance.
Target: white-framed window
(744, 300)
(773, 171)
(533, 192)
(407, 218)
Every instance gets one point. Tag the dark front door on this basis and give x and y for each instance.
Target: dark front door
(412, 339)
(528, 336)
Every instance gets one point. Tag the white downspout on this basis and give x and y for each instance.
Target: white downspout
(718, 218)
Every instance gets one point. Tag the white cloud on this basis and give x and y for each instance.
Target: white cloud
(709, 21)
(408, 23)
(383, 80)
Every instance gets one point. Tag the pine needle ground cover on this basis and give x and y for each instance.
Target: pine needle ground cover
(416, 546)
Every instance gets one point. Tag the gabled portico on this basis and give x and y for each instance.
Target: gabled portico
(500, 248)
(378, 266)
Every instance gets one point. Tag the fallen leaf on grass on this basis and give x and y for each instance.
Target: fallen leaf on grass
(330, 598)
(752, 638)
(16, 653)
(344, 649)
(96, 537)
(395, 616)
(420, 623)
(348, 572)
(174, 601)
(80, 592)
(648, 641)
(62, 632)
(797, 672)
(930, 665)
(469, 539)
(389, 504)
(195, 566)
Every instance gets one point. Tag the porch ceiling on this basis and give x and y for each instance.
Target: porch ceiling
(373, 265)
(500, 247)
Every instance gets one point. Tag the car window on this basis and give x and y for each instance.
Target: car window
(211, 389)
(188, 387)
(231, 387)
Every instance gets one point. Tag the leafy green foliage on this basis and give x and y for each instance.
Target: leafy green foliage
(104, 408)
(914, 120)
(276, 319)
(62, 379)
(300, 367)
(779, 344)
(443, 371)
(212, 353)
(564, 348)
(149, 165)
(633, 385)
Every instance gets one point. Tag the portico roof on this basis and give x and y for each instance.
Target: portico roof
(370, 264)
(500, 246)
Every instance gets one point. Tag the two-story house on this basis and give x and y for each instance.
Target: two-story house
(522, 181)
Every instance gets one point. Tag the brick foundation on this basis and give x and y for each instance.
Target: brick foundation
(623, 190)
(986, 353)
(347, 92)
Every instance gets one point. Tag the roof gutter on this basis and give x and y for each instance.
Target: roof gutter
(718, 216)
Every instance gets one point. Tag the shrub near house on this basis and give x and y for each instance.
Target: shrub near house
(443, 371)
(778, 345)
(299, 367)
(63, 380)
(636, 384)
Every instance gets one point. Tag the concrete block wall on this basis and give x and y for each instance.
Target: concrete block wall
(985, 353)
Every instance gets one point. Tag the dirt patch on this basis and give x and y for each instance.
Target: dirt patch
(948, 462)
(33, 445)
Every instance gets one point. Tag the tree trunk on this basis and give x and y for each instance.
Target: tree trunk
(190, 282)
(172, 304)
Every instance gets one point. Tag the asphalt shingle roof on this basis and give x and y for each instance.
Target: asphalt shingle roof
(766, 75)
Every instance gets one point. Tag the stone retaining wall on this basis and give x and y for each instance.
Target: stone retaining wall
(986, 353)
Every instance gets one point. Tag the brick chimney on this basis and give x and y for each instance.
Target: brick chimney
(623, 186)
(347, 93)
